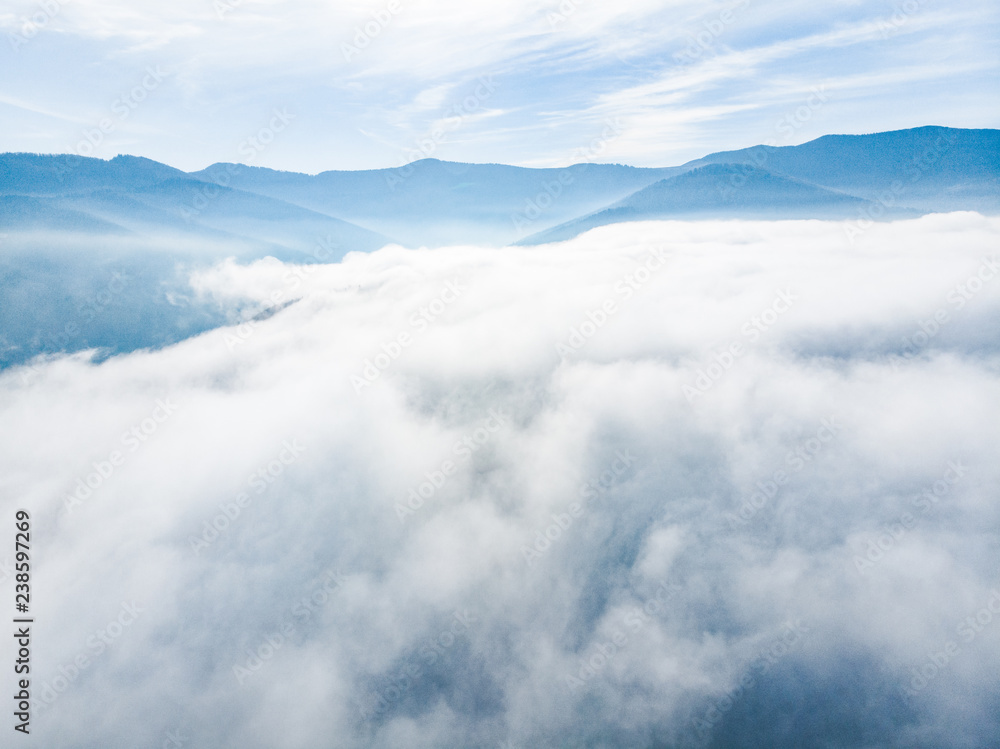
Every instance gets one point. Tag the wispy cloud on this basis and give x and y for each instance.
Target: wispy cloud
(562, 66)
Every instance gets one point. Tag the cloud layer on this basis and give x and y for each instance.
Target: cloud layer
(668, 484)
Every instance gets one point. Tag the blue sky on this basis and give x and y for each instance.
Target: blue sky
(528, 82)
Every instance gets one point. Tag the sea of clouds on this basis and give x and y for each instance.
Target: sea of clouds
(708, 484)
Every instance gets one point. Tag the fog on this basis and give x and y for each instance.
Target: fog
(721, 483)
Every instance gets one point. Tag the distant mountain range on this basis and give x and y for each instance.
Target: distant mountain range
(728, 191)
(926, 168)
(431, 202)
(880, 176)
(98, 254)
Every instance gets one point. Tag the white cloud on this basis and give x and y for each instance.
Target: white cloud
(231, 61)
(269, 438)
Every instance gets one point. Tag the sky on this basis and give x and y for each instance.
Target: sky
(309, 86)
(665, 484)
(705, 484)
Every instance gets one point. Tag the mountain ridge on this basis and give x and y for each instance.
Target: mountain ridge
(432, 202)
(714, 190)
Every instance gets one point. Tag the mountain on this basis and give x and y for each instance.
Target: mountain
(926, 168)
(885, 175)
(428, 202)
(48, 175)
(720, 191)
(253, 218)
(432, 202)
(111, 245)
(129, 195)
(23, 213)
